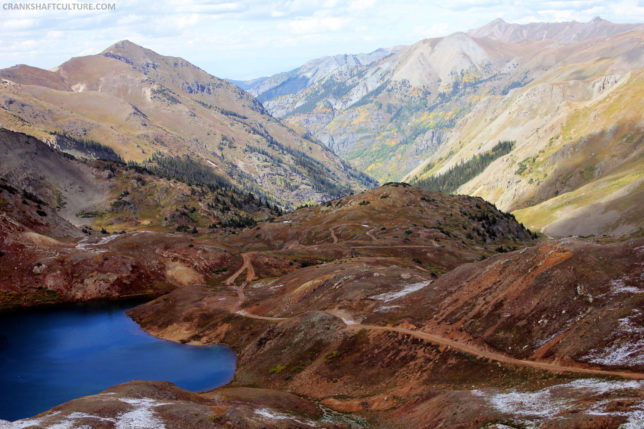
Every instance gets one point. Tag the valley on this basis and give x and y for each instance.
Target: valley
(447, 234)
(137, 105)
(356, 312)
(568, 95)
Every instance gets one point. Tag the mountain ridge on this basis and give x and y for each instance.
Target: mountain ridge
(564, 32)
(139, 103)
(426, 108)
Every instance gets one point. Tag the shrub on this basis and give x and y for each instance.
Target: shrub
(279, 368)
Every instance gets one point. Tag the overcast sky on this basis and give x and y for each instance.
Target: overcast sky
(252, 38)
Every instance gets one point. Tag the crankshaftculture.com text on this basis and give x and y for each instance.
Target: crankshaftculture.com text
(36, 6)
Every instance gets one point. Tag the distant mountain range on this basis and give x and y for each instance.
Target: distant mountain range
(146, 107)
(567, 97)
(563, 32)
(543, 119)
(314, 71)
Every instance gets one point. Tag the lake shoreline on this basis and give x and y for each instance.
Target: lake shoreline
(67, 352)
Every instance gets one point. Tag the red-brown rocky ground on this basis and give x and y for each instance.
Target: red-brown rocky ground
(401, 307)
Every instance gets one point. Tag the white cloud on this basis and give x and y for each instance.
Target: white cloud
(18, 24)
(434, 30)
(246, 38)
(356, 5)
(315, 25)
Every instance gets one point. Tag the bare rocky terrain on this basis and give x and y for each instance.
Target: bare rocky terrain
(388, 308)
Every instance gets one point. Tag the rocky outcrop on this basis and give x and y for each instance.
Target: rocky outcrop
(155, 404)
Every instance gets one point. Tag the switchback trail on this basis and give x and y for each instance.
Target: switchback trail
(250, 275)
(334, 237)
(435, 339)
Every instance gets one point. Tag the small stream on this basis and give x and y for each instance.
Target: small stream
(49, 356)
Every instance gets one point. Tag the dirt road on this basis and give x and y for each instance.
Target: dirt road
(351, 324)
(246, 266)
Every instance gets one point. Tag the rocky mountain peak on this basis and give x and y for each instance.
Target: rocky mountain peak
(132, 54)
(127, 47)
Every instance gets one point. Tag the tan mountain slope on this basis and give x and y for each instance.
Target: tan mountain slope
(576, 167)
(386, 116)
(138, 102)
(422, 110)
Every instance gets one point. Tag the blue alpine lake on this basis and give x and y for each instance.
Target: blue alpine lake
(51, 356)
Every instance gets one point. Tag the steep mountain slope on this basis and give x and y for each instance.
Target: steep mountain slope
(138, 103)
(314, 71)
(576, 167)
(116, 197)
(568, 94)
(389, 115)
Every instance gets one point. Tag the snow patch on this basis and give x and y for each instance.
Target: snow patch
(533, 407)
(627, 348)
(385, 308)
(85, 245)
(24, 423)
(76, 415)
(260, 284)
(19, 424)
(269, 414)
(274, 415)
(142, 416)
(70, 421)
(107, 239)
(620, 286)
(390, 296)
